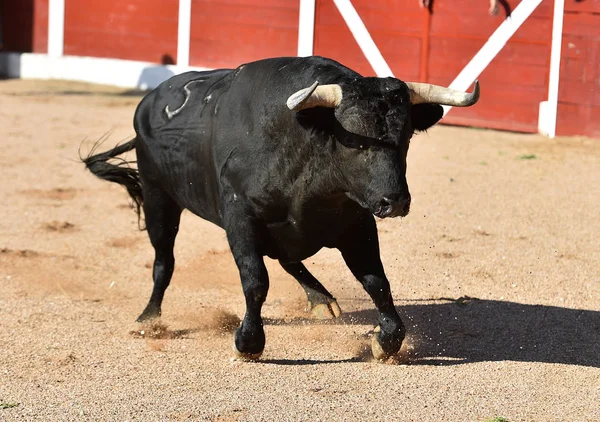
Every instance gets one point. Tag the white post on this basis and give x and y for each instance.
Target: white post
(56, 27)
(548, 121)
(493, 46)
(183, 33)
(363, 38)
(306, 28)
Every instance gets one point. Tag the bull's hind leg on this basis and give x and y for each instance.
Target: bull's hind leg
(360, 249)
(321, 303)
(162, 223)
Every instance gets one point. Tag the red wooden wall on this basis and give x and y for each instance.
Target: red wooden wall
(435, 48)
(416, 44)
(144, 30)
(227, 33)
(579, 89)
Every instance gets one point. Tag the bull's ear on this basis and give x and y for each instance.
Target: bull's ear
(425, 115)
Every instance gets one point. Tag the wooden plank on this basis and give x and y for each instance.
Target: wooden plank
(391, 16)
(402, 54)
(578, 47)
(519, 118)
(144, 30)
(518, 65)
(40, 26)
(457, 9)
(534, 30)
(580, 60)
(582, 24)
(133, 47)
(497, 74)
(578, 119)
(579, 88)
(234, 14)
(205, 5)
(580, 92)
(589, 6)
(489, 123)
(218, 47)
(219, 29)
(463, 21)
(461, 50)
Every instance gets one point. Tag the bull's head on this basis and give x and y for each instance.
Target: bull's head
(374, 121)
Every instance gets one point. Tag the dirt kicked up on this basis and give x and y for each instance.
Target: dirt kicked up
(496, 273)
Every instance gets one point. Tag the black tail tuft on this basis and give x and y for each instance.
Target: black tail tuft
(119, 171)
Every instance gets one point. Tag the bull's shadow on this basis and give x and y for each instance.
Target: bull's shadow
(471, 330)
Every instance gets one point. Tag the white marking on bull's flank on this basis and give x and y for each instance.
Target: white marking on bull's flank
(170, 114)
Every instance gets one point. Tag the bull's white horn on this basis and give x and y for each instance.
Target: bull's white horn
(427, 93)
(315, 96)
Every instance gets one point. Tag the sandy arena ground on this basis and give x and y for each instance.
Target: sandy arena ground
(495, 271)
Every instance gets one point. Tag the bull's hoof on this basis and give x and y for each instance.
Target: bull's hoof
(149, 314)
(326, 310)
(245, 357)
(378, 352)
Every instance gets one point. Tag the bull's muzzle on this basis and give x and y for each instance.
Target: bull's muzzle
(393, 208)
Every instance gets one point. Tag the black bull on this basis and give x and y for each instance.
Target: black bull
(286, 167)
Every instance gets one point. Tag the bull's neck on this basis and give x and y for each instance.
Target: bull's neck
(317, 177)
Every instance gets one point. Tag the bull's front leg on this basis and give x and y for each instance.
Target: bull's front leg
(321, 303)
(244, 241)
(360, 249)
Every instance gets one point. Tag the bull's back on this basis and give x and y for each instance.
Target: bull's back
(175, 140)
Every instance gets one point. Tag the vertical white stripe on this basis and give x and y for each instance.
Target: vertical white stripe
(306, 28)
(183, 33)
(56, 27)
(554, 79)
(493, 46)
(363, 38)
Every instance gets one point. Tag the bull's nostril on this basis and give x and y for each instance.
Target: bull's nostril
(389, 207)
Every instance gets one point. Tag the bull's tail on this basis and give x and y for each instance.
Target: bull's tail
(118, 171)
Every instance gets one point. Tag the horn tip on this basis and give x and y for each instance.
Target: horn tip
(474, 96)
(298, 98)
